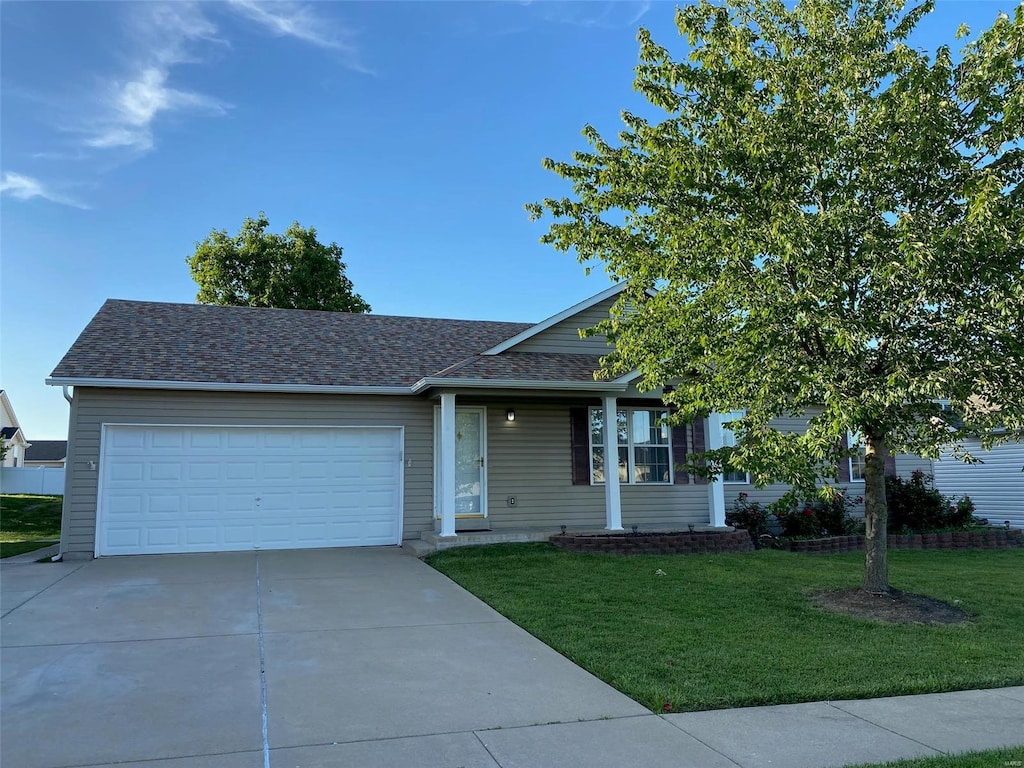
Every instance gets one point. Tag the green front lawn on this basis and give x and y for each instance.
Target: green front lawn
(989, 758)
(28, 523)
(739, 630)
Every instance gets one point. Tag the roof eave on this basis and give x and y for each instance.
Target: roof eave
(215, 386)
(562, 386)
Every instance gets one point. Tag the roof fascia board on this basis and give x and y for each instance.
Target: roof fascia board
(574, 386)
(629, 378)
(9, 408)
(543, 325)
(227, 387)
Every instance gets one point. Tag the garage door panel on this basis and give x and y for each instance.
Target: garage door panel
(240, 470)
(244, 438)
(239, 535)
(195, 489)
(127, 472)
(202, 504)
(199, 471)
(168, 536)
(199, 439)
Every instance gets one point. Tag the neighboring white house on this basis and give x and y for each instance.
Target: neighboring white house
(12, 435)
(996, 486)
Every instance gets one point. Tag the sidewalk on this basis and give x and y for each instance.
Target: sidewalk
(864, 731)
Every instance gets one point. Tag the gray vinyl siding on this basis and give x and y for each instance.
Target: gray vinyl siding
(908, 463)
(530, 459)
(996, 486)
(565, 336)
(93, 407)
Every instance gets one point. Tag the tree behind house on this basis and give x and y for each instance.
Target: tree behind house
(256, 268)
(831, 219)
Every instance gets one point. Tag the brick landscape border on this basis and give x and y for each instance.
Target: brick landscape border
(696, 543)
(994, 538)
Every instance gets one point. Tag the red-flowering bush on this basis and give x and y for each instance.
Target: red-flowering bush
(750, 516)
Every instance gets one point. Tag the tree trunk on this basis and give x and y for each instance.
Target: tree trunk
(876, 517)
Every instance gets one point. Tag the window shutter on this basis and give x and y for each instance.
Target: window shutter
(679, 441)
(700, 444)
(579, 421)
(843, 470)
(890, 466)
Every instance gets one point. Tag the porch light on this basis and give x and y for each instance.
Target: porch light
(510, 414)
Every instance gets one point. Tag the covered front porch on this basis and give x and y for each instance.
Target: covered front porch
(518, 466)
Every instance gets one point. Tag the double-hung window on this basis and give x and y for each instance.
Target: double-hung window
(729, 441)
(643, 443)
(857, 460)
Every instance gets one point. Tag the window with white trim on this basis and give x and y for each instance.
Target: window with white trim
(732, 476)
(644, 446)
(857, 459)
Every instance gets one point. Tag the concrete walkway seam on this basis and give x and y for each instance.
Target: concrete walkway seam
(882, 727)
(263, 667)
(37, 594)
(486, 749)
(699, 740)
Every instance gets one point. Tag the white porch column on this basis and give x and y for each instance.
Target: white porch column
(447, 465)
(612, 501)
(716, 488)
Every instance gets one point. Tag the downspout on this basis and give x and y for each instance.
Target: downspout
(57, 558)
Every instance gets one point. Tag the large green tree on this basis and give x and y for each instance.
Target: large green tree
(256, 268)
(827, 223)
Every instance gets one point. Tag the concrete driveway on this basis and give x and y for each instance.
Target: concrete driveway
(363, 657)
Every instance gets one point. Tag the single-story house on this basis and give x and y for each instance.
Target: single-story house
(200, 428)
(11, 435)
(46, 453)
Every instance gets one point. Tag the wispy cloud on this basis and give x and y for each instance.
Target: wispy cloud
(23, 187)
(302, 22)
(164, 35)
(135, 104)
(594, 14)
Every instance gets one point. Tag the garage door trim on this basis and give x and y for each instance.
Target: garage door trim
(104, 431)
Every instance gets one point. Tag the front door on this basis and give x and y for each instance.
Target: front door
(470, 477)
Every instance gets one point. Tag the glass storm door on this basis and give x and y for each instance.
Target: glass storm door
(470, 472)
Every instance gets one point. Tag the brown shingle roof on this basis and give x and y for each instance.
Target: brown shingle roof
(526, 366)
(149, 341)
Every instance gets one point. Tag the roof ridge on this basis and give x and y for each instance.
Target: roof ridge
(196, 305)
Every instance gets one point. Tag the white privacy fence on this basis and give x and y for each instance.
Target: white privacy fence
(45, 481)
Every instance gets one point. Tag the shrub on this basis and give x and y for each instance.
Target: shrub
(834, 514)
(749, 515)
(799, 521)
(820, 517)
(916, 505)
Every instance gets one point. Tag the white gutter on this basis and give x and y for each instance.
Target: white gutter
(577, 386)
(216, 386)
(66, 395)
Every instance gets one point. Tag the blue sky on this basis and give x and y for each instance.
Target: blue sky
(409, 133)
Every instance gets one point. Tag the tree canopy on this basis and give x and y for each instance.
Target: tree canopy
(256, 268)
(828, 223)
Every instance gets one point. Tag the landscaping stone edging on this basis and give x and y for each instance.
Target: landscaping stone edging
(994, 538)
(695, 543)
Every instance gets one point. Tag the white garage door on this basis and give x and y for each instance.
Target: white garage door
(213, 489)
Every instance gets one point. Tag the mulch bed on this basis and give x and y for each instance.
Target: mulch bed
(896, 607)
